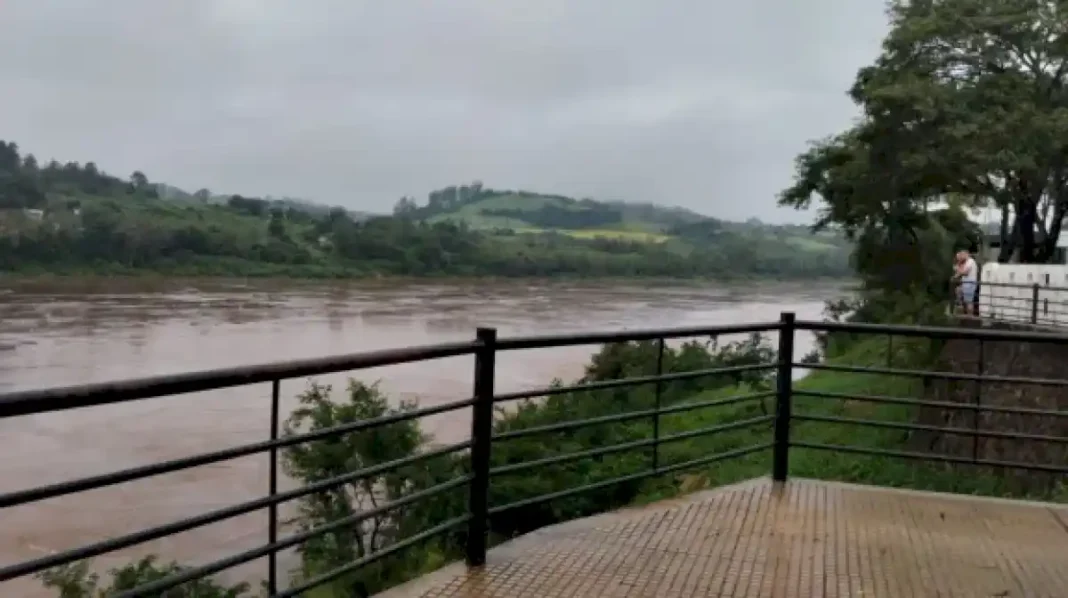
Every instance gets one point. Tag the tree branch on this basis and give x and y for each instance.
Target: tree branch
(376, 522)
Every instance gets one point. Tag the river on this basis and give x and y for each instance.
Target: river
(55, 334)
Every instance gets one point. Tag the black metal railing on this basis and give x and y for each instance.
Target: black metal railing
(485, 349)
(982, 340)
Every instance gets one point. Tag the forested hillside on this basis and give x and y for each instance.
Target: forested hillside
(74, 218)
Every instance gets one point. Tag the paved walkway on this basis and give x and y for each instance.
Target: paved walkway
(806, 538)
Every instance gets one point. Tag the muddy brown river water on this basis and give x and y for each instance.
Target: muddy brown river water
(72, 333)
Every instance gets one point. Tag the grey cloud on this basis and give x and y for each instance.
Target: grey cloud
(700, 104)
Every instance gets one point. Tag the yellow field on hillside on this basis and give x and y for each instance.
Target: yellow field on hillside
(604, 233)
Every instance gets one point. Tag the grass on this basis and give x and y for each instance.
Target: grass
(811, 243)
(479, 221)
(600, 233)
(475, 216)
(825, 465)
(627, 235)
(524, 203)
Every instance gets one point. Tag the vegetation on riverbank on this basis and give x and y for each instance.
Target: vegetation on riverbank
(76, 219)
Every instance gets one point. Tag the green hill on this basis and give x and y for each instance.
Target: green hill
(73, 218)
(527, 211)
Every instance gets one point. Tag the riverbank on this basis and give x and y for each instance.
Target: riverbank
(154, 282)
(328, 273)
(148, 282)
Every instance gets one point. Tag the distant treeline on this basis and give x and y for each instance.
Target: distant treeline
(74, 218)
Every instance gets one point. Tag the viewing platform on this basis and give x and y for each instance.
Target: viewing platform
(799, 538)
(990, 415)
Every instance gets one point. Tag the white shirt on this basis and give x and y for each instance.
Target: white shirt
(970, 271)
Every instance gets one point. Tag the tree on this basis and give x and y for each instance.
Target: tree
(901, 246)
(76, 581)
(18, 185)
(248, 205)
(139, 180)
(967, 97)
(321, 460)
(9, 156)
(405, 207)
(338, 214)
(202, 195)
(18, 190)
(276, 227)
(29, 164)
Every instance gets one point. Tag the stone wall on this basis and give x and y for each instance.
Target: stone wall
(1001, 358)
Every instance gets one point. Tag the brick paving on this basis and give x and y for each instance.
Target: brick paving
(759, 539)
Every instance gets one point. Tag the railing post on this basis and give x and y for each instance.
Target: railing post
(481, 432)
(272, 510)
(978, 402)
(656, 398)
(1034, 303)
(783, 397)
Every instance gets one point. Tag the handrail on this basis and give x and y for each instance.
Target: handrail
(597, 338)
(91, 395)
(480, 469)
(935, 332)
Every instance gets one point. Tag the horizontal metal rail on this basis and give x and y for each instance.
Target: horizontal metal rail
(630, 478)
(628, 416)
(575, 424)
(1023, 286)
(701, 461)
(934, 332)
(599, 338)
(1008, 298)
(875, 423)
(166, 583)
(695, 405)
(333, 574)
(183, 525)
(626, 446)
(138, 473)
(569, 457)
(932, 374)
(90, 395)
(717, 429)
(635, 381)
(864, 398)
(841, 448)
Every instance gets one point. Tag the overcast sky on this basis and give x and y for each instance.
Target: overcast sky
(702, 104)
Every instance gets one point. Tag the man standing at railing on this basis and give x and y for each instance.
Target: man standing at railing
(966, 275)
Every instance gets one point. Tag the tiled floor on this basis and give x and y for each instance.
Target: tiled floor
(806, 538)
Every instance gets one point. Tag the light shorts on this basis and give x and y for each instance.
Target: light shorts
(967, 292)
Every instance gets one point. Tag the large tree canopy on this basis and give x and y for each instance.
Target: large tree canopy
(966, 101)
